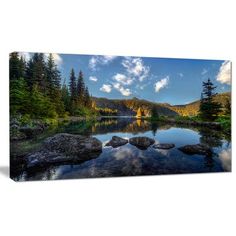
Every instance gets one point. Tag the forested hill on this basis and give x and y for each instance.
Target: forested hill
(192, 108)
(131, 106)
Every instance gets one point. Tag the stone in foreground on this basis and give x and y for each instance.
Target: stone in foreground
(72, 144)
(66, 148)
(116, 142)
(196, 149)
(163, 146)
(141, 142)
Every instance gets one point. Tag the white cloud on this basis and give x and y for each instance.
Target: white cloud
(124, 91)
(93, 78)
(25, 55)
(224, 74)
(181, 75)
(95, 61)
(123, 79)
(204, 71)
(56, 57)
(135, 67)
(92, 63)
(161, 84)
(106, 88)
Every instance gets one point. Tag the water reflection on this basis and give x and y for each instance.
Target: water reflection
(210, 137)
(128, 160)
(225, 157)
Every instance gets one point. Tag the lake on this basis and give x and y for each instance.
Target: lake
(128, 160)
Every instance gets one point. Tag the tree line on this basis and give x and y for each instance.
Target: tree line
(36, 90)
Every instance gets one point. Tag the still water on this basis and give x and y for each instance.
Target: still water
(128, 160)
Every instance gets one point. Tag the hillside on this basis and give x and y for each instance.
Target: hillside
(129, 107)
(192, 108)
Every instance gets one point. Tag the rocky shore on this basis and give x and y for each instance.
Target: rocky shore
(69, 148)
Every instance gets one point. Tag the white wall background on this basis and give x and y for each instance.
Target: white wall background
(162, 205)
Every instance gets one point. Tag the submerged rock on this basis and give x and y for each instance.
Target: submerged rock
(163, 146)
(200, 149)
(65, 148)
(141, 142)
(116, 142)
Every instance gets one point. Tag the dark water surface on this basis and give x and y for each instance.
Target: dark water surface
(128, 160)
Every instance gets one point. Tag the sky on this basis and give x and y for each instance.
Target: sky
(163, 80)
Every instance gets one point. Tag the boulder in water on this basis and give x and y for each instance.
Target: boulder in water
(65, 148)
(200, 149)
(141, 142)
(116, 142)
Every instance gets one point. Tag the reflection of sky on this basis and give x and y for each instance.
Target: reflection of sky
(225, 157)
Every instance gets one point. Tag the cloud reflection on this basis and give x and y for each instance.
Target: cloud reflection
(225, 157)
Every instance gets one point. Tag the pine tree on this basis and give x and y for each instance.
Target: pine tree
(17, 66)
(73, 91)
(65, 97)
(36, 72)
(87, 98)
(22, 67)
(81, 89)
(72, 84)
(53, 83)
(53, 74)
(209, 110)
(154, 113)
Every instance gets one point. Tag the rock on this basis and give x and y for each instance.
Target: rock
(141, 142)
(163, 146)
(196, 149)
(66, 148)
(116, 142)
(72, 144)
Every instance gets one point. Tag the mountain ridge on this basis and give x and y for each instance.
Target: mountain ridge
(130, 106)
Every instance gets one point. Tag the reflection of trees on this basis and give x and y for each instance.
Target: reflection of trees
(120, 125)
(154, 128)
(209, 162)
(131, 125)
(211, 137)
(113, 125)
(83, 127)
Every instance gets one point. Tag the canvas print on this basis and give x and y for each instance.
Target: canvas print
(88, 116)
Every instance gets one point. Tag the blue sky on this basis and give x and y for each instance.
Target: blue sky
(175, 81)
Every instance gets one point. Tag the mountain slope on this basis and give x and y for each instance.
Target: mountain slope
(129, 107)
(192, 108)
